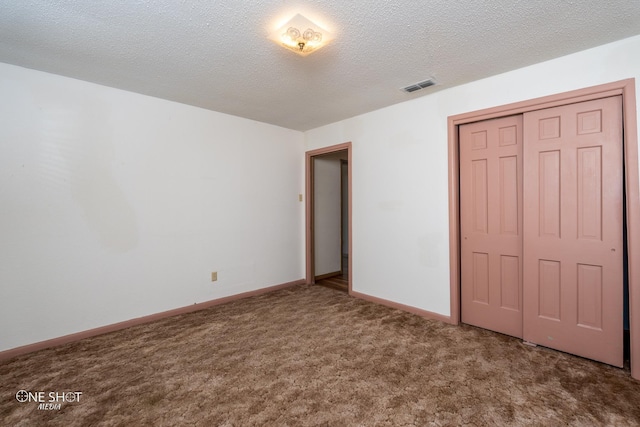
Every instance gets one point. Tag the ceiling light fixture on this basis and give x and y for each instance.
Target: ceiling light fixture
(301, 35)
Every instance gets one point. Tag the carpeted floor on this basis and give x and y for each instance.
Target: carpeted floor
(309, 355)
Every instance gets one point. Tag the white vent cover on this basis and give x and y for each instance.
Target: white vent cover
(418, 86)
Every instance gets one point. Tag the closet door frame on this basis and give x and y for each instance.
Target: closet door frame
(626, 88)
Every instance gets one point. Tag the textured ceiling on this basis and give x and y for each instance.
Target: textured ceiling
(216, 54)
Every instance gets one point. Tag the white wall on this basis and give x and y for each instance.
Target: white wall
(115, 205)
(399, 165)
(327, 214)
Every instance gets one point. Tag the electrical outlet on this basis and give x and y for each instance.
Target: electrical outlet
(214, 276)
(300, 197)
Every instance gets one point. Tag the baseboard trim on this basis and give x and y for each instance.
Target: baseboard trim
(422, 313)
(65, 339)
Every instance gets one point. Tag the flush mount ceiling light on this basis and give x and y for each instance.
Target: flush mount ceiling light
(301, 35)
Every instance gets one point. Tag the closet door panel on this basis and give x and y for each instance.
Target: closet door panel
(573, 225)
(491, 224)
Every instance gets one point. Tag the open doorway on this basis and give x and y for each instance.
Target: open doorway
(328, 217)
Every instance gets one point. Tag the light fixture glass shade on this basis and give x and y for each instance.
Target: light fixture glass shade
(301, 35)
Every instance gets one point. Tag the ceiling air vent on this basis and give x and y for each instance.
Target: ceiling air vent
(417, 86)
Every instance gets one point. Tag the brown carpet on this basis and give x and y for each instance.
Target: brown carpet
(309, 355)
